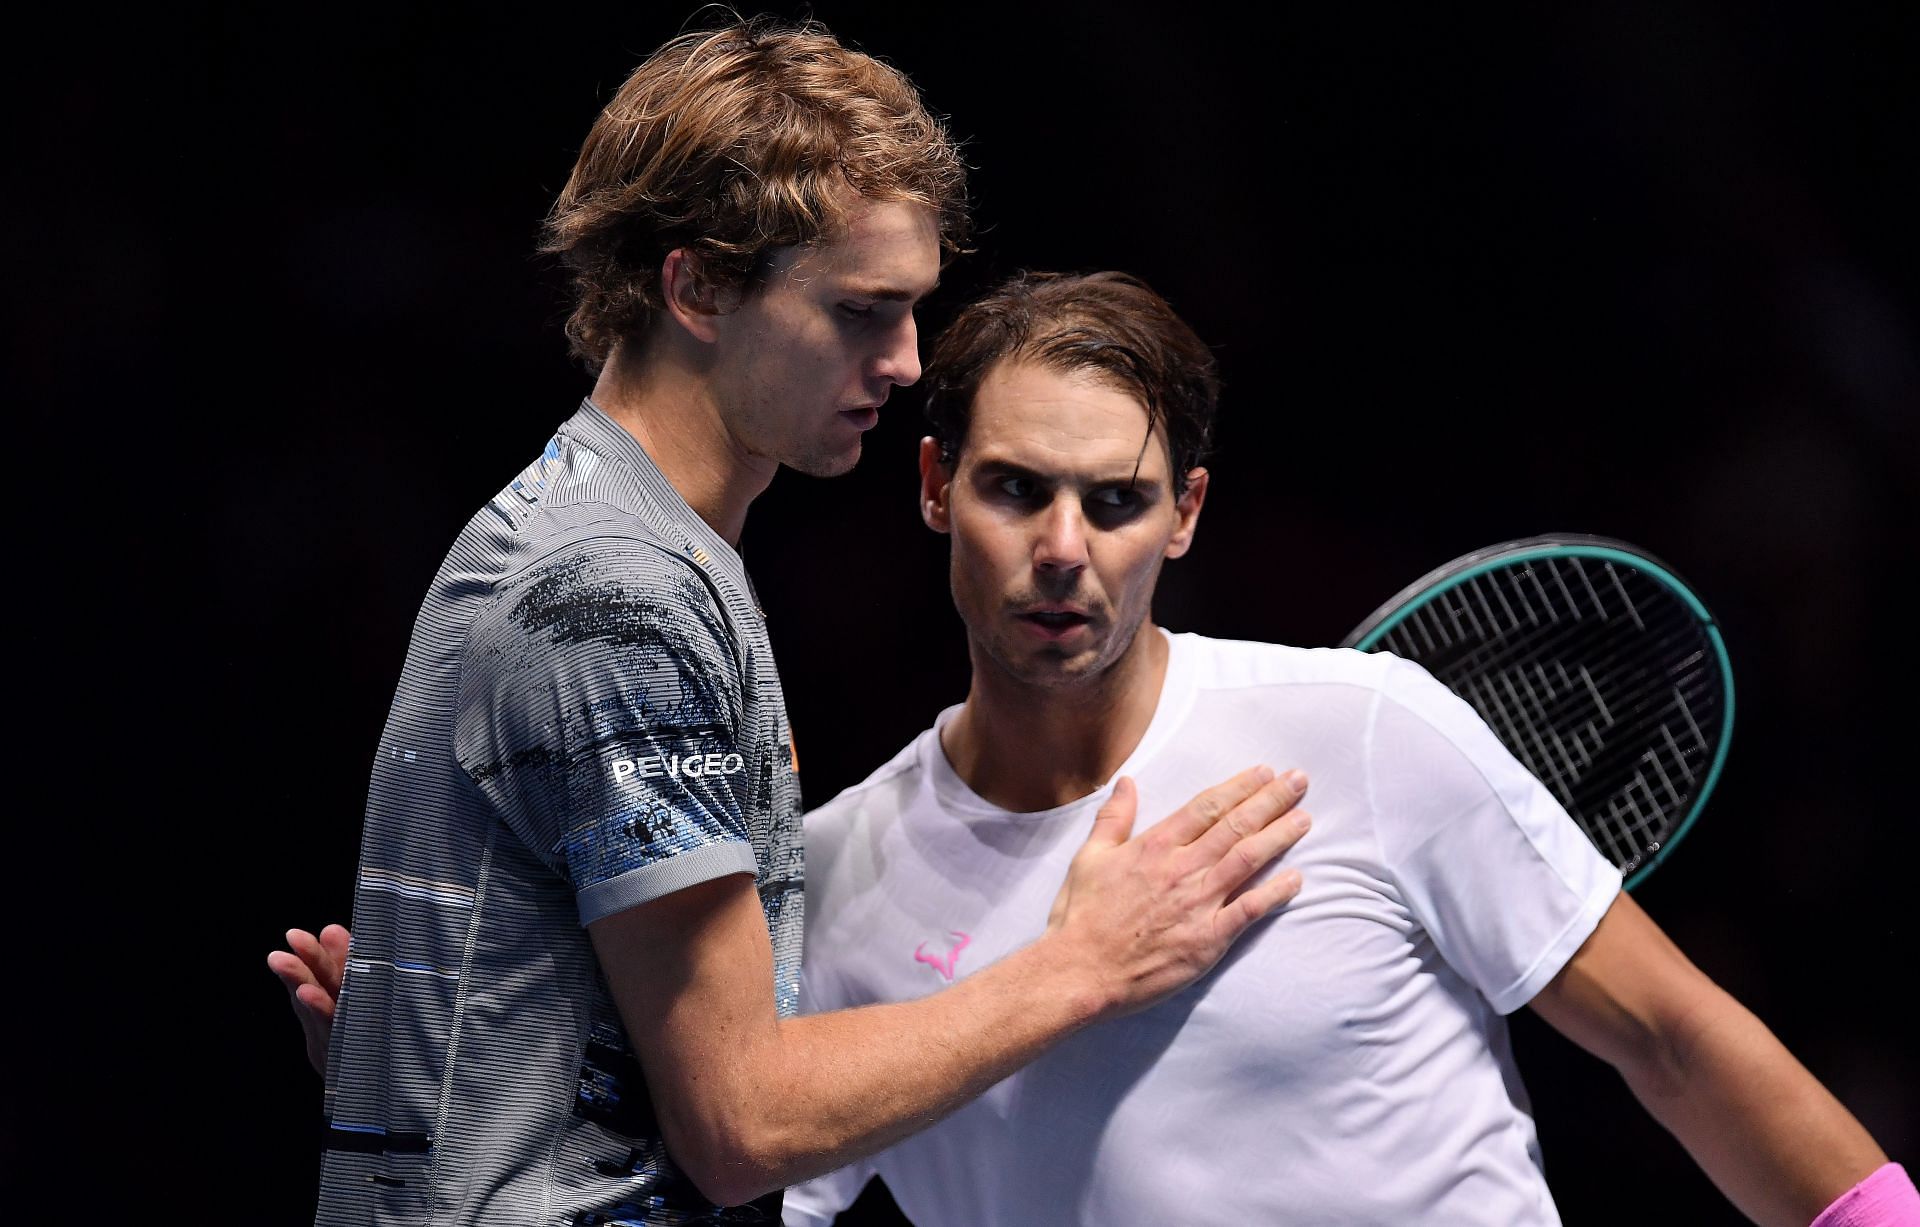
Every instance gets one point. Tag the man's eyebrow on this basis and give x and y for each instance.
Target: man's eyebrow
(887, 293)
(1121, 476)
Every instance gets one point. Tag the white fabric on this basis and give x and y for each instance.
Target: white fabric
(1347, 1063)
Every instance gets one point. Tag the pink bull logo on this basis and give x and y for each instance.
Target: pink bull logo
(943, 963)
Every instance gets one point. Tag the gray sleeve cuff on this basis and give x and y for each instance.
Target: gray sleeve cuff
(702, 864)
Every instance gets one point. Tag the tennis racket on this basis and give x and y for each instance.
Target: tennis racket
(1595, 665)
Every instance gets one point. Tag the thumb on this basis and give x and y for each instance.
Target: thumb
(1114, 823)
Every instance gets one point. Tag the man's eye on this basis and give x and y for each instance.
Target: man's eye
(1015, 487)
(855, 311)
(1114, 506)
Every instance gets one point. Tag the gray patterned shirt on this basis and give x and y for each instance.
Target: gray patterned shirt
(588, 718)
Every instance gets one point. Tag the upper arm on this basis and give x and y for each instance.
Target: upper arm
(1628, 995)
(1775, 1141)
(692, 975)
(600, 717)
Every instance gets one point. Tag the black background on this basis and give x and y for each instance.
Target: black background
(1470, 277)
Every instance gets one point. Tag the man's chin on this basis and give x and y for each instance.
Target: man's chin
(1052, 666)
(827, 464)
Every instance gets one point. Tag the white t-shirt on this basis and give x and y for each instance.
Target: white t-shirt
(1346, 1063)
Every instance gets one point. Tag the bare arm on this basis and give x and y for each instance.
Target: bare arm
(1764, 1130)
(751, 1102)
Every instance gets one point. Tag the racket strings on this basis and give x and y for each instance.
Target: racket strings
(1540, 610)
(1566, 660)
(1631, 664)
(1537, 664)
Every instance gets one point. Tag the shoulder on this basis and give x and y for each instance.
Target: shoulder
(608, 576)
(1315, 692)
(607, 587)
(1242, 664)
(1415, 706)
(569, 543)
(1228, 665)
(599, 617)
(858, 815)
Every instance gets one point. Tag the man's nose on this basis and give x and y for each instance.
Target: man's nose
(899, 362)
(1062, 543)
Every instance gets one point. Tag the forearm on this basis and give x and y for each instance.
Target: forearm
(855, 1081)
(749, 1102)
(813, 1093)
(1765, 1131)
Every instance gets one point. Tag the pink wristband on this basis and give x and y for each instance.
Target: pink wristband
(1884, 1199)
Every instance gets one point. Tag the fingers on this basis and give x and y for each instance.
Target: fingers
(292, 970)
(315, 999)
(1148, 915)
(1246, 857)
(310, 995)
(306, 946)
(311, 968)
(325, 956)
(335, 939)
(1252, 815)
(1197, 816)
(1251, 905)
(1114, 822)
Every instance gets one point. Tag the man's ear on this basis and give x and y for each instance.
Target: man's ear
(691, 298)
(1188, 509)
(936, 486)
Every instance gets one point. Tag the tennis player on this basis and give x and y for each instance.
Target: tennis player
(1349, 1064)
(578, 904)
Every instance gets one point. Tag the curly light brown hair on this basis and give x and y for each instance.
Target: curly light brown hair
(733, 143)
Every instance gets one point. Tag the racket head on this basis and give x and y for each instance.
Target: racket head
(1595, 664)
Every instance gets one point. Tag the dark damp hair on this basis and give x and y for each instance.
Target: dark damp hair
(1109, 325)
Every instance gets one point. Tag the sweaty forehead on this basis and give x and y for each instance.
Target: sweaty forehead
(1067, 423)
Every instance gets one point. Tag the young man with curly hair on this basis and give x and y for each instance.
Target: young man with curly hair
(577, 914)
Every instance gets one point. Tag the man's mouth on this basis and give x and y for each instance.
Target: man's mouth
(1055, 623)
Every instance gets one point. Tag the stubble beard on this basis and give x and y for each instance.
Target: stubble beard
(1055, 669)
(827, 464)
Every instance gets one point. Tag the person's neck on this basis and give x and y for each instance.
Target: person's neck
(1027, 748)
(668, 405)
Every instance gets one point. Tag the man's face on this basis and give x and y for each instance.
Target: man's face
(804, 361)
(1057, 544)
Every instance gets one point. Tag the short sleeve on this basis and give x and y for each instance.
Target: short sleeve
(1487, 860)
(600, 714)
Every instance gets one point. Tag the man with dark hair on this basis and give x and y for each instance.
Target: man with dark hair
(1349, 1063)
(570, 989)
